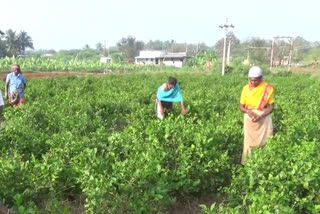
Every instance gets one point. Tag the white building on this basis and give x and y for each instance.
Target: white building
(148, 57)
(47, 55)
(174, 59)
(105, 59)
(161, 58)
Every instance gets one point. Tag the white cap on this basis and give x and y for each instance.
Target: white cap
(255, 71)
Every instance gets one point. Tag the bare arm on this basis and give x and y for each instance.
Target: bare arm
(24, 83)
(183, 109)
(243, 108)
(160, 105)
(268, 110)
(265, 113)
(247, 111)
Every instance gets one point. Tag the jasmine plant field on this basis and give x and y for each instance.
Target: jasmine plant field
(94, 145)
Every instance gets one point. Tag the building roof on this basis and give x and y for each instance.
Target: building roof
(149, 54)
(174, 55)
(160, 54)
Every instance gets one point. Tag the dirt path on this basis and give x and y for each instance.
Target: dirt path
(190, 205)
(38, 75)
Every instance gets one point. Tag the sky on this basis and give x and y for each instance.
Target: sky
(71, 24)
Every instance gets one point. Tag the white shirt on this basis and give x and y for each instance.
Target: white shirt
(1, 99)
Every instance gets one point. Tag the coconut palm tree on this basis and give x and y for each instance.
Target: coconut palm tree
(25, 41)
(17, 44)
(12, 43)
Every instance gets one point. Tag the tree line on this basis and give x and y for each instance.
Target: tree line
(255, 50)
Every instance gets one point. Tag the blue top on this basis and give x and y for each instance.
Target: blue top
(16, 82)
(172, 95)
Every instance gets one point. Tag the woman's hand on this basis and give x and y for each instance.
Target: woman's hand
(160, 107)
(254, 116)
(162, 112)
(251, 114)
(184, 111)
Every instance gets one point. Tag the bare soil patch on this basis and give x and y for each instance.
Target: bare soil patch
(313, 71)
(190, 204)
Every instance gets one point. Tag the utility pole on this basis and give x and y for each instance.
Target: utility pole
(271, 57)
(225, 28)
(290, 54)
(105, 48)
(224, 53)
(229, 47)
(172, 43)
